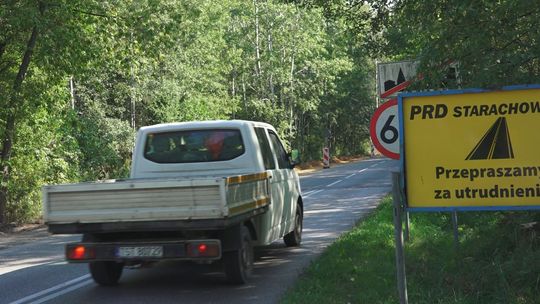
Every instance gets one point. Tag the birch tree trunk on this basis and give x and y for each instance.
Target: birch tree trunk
(271, 68)
(258, 71)
(244, 97)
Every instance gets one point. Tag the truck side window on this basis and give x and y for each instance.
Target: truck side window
(283, 159)
(268, 159)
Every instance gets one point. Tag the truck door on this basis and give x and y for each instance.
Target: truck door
(270, 224)
(284, 176)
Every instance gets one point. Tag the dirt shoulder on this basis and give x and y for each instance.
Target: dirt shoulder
(316, 165)
(18, 235)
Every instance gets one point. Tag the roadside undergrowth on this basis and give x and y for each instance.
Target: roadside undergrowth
(497, 261)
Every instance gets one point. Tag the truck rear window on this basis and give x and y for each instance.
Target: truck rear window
(193, 146)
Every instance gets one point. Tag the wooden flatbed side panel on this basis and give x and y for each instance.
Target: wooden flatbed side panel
(247, 195)
(239, 209)
(132, 184)
(247, 178)
(135, 204)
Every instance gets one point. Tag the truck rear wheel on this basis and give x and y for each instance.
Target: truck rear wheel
(294, 238)
(239, 263)
(106, 273)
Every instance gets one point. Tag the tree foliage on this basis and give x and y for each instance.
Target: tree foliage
(79, 77)
(494, 42)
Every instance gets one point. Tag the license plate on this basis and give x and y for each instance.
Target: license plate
(140, 252)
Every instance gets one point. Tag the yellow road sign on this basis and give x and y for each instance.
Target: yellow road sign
(471, 148)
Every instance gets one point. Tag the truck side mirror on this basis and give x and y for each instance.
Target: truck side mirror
(294, 158)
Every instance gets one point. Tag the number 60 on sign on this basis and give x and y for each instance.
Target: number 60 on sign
(384, 129)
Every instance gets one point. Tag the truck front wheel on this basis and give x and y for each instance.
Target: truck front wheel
(106, 273)
(294, 238)
(239, 262)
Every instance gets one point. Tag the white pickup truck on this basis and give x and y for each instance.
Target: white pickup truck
(202, 191)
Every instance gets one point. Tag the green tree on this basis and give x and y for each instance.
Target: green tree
(39, 43)
(81, 76)
(495, 43)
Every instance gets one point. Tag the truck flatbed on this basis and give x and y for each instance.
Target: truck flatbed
(156, 205)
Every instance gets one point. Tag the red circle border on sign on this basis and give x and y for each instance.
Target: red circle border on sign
(372, 131)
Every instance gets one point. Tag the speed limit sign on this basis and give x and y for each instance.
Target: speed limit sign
(384, 129)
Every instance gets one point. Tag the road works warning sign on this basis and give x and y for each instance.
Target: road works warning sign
(471, 149)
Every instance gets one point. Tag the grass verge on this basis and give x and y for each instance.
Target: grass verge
(498, 261)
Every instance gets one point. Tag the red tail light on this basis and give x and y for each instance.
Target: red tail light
(79, 252)
(203, 250)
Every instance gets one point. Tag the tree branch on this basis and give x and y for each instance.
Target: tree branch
(5, 65)
(4, 44)
(2, 48)
(10, 127)
(94, 14)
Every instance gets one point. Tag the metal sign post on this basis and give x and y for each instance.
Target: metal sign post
(407, 226)
(455, 229)
(398, 234)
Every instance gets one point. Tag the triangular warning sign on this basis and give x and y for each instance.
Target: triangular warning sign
(495, 144)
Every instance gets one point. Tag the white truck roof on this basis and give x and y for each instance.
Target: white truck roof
(205, 124)
(249, 162)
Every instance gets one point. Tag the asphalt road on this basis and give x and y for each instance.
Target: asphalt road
(335, 199)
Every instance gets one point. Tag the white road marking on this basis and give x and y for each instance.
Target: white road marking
(307, 192)
(330, 185)
(61, 292)
(54, 288)
(28, 262)
(313, 193)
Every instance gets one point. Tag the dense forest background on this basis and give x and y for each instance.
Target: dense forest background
(78, 77)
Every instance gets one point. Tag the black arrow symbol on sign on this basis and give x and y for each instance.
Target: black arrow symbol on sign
(495, 144)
